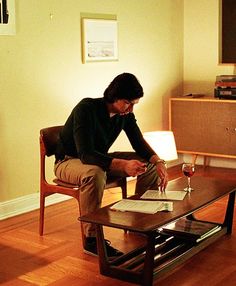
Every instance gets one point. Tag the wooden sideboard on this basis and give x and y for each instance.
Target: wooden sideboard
(204, 126)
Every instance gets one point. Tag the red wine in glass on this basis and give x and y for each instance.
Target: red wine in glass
(188, 173)
(188, 170)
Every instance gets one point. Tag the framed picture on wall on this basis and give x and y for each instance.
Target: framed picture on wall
(227, 32)
(99, 40)
(7, 17)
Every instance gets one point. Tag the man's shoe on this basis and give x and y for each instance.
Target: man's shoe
(91, 248)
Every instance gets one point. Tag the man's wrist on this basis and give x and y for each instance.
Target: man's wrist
(160, 161)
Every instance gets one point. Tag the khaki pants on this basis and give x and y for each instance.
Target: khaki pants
(91, 180)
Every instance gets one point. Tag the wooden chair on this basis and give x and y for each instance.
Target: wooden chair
(48, 139)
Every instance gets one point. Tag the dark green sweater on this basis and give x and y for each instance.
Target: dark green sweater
(89, 132)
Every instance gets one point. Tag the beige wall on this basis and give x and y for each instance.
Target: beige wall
(201, 53)
(201, 42)
(42, 76)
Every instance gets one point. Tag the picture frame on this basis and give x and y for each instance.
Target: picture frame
(99, 40)
(7, 17)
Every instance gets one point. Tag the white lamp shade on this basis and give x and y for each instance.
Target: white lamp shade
(163, 143)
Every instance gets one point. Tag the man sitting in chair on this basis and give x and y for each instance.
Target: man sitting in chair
(82, 156)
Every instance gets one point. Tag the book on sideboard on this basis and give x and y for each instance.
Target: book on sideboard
(191, 229)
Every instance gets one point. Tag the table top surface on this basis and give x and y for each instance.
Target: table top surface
(206, 191)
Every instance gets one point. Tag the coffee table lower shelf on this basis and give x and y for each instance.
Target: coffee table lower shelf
(161, 254)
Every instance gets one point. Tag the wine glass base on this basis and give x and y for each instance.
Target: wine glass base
(188, 189)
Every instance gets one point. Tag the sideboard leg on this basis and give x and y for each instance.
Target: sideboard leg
(194, 158)
(205, 161)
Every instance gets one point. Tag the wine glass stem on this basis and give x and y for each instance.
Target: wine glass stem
(189, 187)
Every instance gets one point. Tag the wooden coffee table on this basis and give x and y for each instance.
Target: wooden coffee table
(161, 252)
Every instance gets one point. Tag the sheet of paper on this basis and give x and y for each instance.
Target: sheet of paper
(166, 195)
(149, 207)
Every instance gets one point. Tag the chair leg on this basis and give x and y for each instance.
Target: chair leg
(124, 188)
(124, 192)
(81, 224)
(41, 215)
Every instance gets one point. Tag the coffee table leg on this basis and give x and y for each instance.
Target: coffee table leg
(102, 254)
(230, 212)
(149, 261)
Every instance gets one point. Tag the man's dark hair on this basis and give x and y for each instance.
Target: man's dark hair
(123, 86)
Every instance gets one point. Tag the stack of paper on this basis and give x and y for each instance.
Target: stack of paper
(148, 207)
(166, 195)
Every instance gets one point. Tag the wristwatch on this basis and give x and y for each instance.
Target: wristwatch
(160, 161)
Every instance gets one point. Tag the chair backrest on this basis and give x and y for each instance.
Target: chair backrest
(48, 139)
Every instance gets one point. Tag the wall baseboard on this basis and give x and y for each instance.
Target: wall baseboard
(26, 204)
(29, 203)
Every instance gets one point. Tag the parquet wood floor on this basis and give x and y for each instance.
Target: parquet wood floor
(57, 258)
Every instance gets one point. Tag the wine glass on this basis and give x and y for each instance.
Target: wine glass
(188, 170)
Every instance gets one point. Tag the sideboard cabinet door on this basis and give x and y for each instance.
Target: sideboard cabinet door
(204, 126)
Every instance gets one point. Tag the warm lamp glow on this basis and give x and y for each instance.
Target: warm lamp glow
(163, 143)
